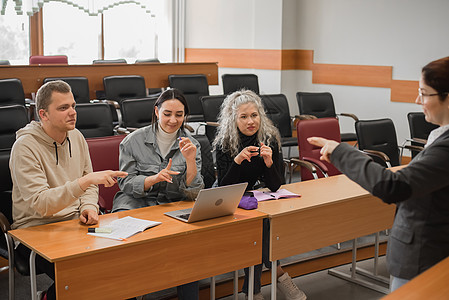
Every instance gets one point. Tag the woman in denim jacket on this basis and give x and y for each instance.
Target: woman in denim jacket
(163, 162)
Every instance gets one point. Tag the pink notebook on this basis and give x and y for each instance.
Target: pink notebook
(282, 193)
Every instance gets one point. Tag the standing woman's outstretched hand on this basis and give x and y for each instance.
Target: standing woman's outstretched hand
(327, 147)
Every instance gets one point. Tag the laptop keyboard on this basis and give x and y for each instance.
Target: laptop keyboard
(185, 216)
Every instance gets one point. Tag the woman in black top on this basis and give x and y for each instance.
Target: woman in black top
(248, 150)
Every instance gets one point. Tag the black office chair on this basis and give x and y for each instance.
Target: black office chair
(12, 118)
(94, 120)
(208, 169)
(276, 108)
(148, 60)
(419, 130)
(15, 260)
(79, 86)
(321, 105)
(194, 87)
(236, 82)
(137, 113)
(211, 108)
(119, 88)
(11, 92)
(379, 135)
(109, 61)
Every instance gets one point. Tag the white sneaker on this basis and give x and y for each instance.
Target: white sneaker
(289, 289)
(258, 296)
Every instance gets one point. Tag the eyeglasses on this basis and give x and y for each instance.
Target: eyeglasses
(422, 95)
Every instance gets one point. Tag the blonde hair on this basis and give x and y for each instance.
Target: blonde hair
(227, 137)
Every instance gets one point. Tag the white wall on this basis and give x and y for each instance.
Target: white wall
(404, 34)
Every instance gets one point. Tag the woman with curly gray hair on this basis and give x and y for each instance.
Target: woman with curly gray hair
(248, 149)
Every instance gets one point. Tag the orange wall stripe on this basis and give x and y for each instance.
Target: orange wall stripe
(357, 75)
(237, 58)
(404, 91)
(297, 59)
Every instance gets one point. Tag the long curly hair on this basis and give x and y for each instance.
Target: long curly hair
(227, 137)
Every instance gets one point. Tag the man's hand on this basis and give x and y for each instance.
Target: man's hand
(108, 178)
(89, 217)
(327, 147)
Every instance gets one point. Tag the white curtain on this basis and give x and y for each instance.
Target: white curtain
(91, 7)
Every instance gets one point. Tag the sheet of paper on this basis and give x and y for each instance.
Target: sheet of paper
(125, 227)
(282, 193)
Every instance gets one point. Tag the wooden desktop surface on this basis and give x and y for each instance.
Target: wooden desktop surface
(330, 210)
(155, 74)
(167, 255)
(432, 284)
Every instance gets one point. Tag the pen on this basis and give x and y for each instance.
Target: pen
(99, 230)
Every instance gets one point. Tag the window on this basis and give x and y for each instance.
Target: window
(129, 32)
(72, 32)
(14, 37)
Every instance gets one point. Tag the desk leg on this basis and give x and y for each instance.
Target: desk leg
(274, 279)
(236, 284)
(33, 275)
(251, 283)
(212, 287)
(352, 278)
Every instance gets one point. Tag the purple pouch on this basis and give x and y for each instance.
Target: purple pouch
(248, 202)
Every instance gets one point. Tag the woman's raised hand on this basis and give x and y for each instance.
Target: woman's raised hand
(246, 154)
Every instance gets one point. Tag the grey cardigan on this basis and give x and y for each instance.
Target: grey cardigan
(140, 157)
(420, 235)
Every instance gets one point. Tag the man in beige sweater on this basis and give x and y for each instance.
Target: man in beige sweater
(51, 169)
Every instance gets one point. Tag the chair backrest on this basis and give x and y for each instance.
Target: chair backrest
(49, 59)
(235, 82)
(211, 108)
(5, 62)
(148, 60)
(11, 92)
(193, 87)
(5, 184)
(79, 86)
(323, 127)
(277, 110)
(137, 113)
(119, 88)
(419, 127)
(109, 61)
(104, 154)
(12, 118)
(320, 105)
(379, 135)
(207, 161)
(94, 119)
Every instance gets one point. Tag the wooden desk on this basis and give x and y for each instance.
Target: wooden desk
(155, 74)
(432, 284)
(167, 255)
(330, 210)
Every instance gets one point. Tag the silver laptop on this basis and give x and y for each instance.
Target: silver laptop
(212, 203)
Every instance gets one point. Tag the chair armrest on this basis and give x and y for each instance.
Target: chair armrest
(412, 147)
(379, 154)
(121, 130)
(188, 127)
(321, 166)
(304, 117)
(349, 115)
(418, 141)
(4, 223)
(302, 163)
(212, 124)
(110, 102)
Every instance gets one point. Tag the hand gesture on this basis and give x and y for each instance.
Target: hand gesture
(188, 149)
(89, 217)
(246, 154)
(267, 154)
(108, 178)
(164, 174)
(327, 147)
